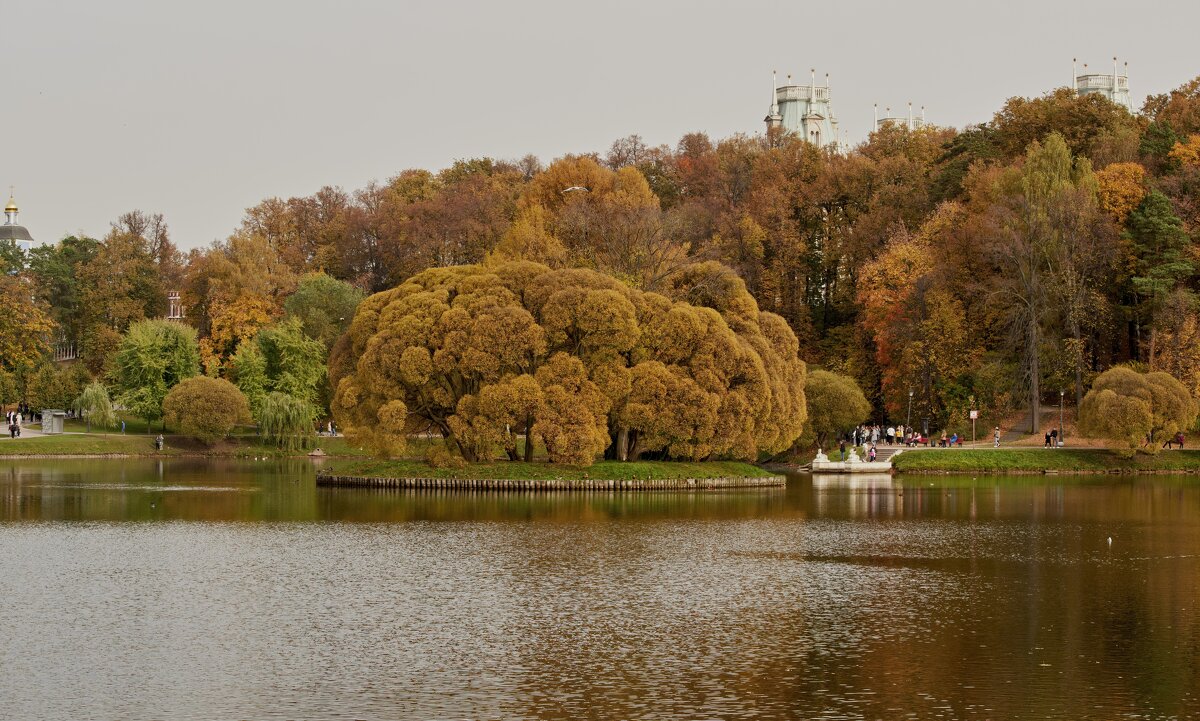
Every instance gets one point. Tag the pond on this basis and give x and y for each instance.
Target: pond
(190, 589)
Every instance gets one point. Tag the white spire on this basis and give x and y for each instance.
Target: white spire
(1114, 97)
(1074, 76)
(774, 95)
(910, 115)
(877, 116)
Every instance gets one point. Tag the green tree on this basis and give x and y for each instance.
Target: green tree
(248, 370)
(1160, 247)
(295, 363)
(94, 404)
(324, 306)
(204, 408)
(835, 405)
(287, 421)
(153, 357)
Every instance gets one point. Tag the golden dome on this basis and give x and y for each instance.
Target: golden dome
(11, 207)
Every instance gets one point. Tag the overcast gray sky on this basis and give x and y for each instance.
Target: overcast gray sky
(198, 110)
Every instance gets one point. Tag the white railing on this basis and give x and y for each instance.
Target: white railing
(801, 92)
(1103, 82)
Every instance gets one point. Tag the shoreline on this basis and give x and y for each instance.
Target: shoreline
(550, 485)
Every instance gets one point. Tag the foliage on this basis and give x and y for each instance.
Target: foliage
(153, 357)
(294, 363)
(1128, 406)
(286, 422)
(1121, 187)
(95, 406)
(478, 354)
(248, 370)
(324, 306)
(835, 405)
(205, 408)
(24, 324)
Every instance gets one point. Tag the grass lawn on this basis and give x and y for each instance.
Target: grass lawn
(88, 444)
(1042, 459)
(514, 470)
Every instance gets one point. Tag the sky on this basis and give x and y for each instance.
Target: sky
(200, 110)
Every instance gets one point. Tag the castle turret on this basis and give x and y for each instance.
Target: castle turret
(1115, 87)
(805, 110)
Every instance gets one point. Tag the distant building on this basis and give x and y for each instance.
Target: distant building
(910, 122)
(13, 231)
(1115, 87)
(175, 309)
(805, 110)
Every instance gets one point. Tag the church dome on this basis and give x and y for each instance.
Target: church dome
(14, 232)
(11, 207)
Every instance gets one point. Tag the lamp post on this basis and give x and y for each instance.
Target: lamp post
(1062, 394)
(908, 420)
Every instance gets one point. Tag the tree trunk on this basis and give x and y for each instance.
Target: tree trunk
(1035, 390)
(634, 449)
(1153, 338)
(1078, 336)
(529, 439)
(623, 444)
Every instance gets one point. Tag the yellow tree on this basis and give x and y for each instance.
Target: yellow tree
(24, 325)
(1121, 187)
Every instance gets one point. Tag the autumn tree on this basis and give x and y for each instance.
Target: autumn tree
(575, 358)
(25, 326)
(1133, 407)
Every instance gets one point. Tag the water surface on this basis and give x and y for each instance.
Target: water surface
(220, 589)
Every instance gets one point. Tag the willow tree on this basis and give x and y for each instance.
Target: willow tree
(1132, 407)
(577, 359)
(95, 406)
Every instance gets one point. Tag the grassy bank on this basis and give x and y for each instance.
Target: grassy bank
(511, 470)
(1040, 460)
(97, 444)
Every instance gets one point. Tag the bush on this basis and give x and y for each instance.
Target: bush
(439, 456)
(205, 408)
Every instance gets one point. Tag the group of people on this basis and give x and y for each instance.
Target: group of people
(871, 435)
(899, 435)
(1171, 442)
(15, 420)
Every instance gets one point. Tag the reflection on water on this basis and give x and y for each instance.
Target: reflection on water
(214, 589)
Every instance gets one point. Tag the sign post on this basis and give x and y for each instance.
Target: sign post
(974, 415)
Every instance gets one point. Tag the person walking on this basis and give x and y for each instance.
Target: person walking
(996, 437)
(842, 448)
(1046, 444)
(891, 434)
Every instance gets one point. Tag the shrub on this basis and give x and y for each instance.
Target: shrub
(205, 408)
